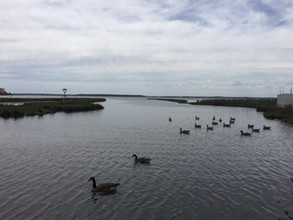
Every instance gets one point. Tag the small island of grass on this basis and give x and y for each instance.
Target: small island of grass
(20, 107)
(180, 101)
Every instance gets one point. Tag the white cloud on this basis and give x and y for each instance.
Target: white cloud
(150, 46)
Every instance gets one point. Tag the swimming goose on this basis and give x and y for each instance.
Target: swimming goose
(215, 123)
(256, 130)
(196, 117)
(197, 126)
(220, 120)
(210, 128)
(103, 187)
(184, 131)
(267, 127)
(250, 126)
(170, 119)
(226, 125)
(142, 160)
(245, 133)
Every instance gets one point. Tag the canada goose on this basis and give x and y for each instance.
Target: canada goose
(214, 118)
(215, 123)
(257, 130)
(220, 120)
(142, 160)
(245, 133)
(196, 117)
(210, 128)
(267, 127)
(250, 126)
(184, 131)
(226, 125)
(103, 187)
(197, 126)
(170, 119)
(233, 119)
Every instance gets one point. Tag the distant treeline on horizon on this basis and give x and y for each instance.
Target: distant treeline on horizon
(126, 95)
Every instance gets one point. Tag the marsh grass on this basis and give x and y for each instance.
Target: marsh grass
(40, 107)
(266, 105)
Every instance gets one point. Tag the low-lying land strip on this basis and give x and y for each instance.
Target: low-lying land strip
(180, 101)
(20, 107)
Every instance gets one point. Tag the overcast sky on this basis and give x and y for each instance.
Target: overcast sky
(148, 47)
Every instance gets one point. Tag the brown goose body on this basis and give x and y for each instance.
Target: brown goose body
(103, 187)
(197, 126)
(142, 160)
(226, 125)
(266, 127)
(184, 131)
(250, 126)
(210, 128)
(215, 123)
(245, 133)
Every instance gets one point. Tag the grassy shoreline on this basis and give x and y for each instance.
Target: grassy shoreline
(42, 106)
(266, 105)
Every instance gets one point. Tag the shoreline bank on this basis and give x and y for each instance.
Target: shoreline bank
(21, 107)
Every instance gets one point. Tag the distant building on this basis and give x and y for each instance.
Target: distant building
(3, 92)
(285, 99)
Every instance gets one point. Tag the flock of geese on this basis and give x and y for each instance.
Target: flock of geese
(110, 188)
(215, 122)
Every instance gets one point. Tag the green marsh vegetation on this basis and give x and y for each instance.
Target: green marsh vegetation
(31, 107)
(266, 105)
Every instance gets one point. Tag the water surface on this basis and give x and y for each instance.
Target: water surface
(46, 163)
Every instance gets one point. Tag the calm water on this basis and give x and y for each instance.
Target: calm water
(46, 163)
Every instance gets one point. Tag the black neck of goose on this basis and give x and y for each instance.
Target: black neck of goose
(135, 157)
(94, 183)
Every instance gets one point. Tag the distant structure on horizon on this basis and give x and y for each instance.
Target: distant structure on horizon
(285, 99)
